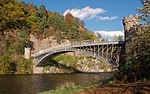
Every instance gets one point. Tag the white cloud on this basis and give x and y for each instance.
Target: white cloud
(110, 34)
(107, 18)
(85, 13)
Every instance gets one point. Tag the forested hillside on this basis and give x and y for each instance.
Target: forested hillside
(18, 20)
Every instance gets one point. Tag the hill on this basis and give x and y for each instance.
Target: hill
(19, 20)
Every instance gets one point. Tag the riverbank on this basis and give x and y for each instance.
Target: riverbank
(130, 88)
(19, 84)
(142, 87)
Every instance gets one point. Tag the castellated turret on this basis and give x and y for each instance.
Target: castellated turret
(131, 22)
(130, 25)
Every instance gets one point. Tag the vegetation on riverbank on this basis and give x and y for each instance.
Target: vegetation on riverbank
(68, 88)
(108, 86)
(141, 87)
(18, 20)
(76, 62)
(65, 90)
(62, 63)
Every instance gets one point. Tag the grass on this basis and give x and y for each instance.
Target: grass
(66, 59)
(71, 60)
(64, 88)
(69, 87)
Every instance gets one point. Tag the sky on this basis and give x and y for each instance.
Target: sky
(102, 16)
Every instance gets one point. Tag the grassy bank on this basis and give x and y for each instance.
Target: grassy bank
(65, 88)
(69, 87)
(106, 87)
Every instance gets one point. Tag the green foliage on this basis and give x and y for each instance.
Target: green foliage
(18, 14)
(49, 64)
(137, 58)
(145, 10)
(18, 20)
(66, 90)
(67, 60)
(25, 66)
(70, 89)
(137, 52)
(6, 65)
(42, 12)
(12, 14)
(118, 38)
(102, 83)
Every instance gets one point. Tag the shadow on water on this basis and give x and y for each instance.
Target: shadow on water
(32, 84)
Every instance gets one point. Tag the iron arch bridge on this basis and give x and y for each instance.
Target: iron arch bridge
(108, 51)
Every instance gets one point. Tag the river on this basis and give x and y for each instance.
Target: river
(35, 83)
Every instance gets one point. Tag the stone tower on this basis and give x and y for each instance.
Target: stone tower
(27, 49)
(130, 25)
(27, 52)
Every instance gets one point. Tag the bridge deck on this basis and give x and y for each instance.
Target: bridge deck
(76, 45)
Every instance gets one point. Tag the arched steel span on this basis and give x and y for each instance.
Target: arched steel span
(109, 51)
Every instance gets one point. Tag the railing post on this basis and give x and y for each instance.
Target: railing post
(98, 51)
(106, 51)
(112, 50)
(102, 50)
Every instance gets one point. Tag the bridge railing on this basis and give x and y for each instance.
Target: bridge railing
(40, 50)
(82, 42)
(75, 43)
(44, 50)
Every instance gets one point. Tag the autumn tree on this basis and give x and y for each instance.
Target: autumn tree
(18, 20)
(69, 18)
(12, 14)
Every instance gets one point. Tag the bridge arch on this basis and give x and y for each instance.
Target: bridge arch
(48, 56)
(109, 52)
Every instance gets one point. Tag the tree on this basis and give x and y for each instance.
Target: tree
(137, 60)
(12, 14)
(69, 18)
(5, 61)
(99, 35)
(42, 12)
(104, 40)
(18, 20)
(145, 10)
(118, 38)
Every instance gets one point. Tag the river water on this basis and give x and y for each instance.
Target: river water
(32, 84)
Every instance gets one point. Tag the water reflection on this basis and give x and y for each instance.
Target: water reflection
(32, 84)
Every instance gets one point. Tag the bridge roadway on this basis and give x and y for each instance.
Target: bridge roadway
(98, 50)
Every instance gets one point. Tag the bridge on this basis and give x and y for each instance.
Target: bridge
(107, 51)
(110, 52)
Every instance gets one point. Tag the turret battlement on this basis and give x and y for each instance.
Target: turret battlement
(131, 21)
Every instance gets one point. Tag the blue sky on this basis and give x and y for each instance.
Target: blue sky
(104, 16)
